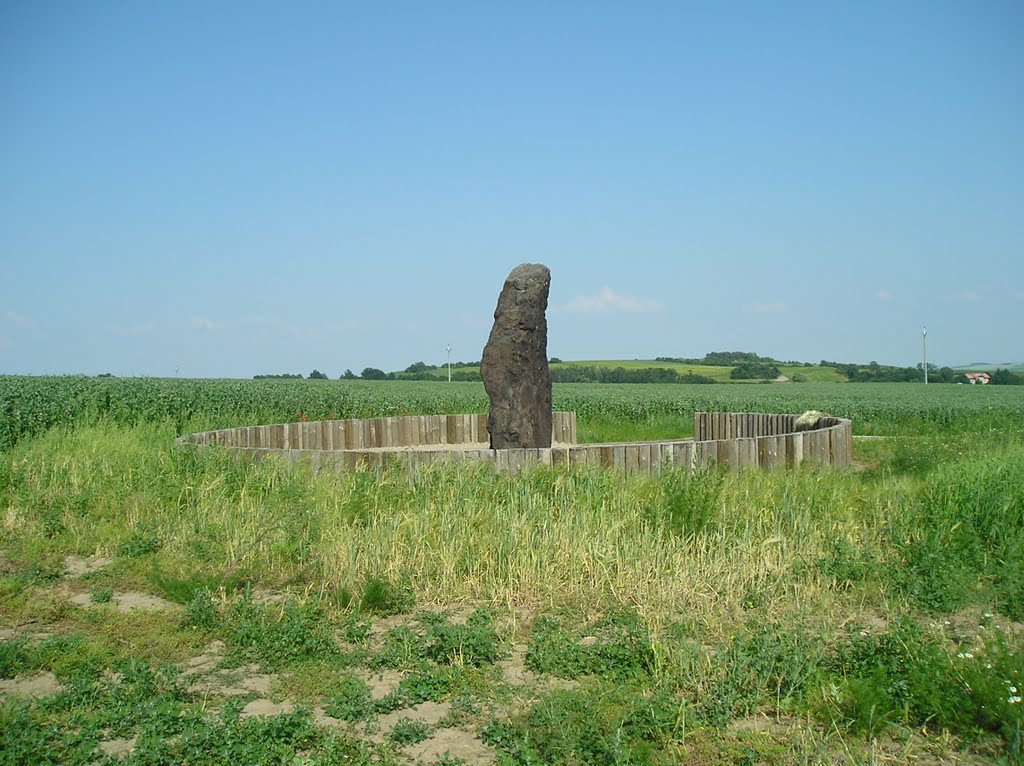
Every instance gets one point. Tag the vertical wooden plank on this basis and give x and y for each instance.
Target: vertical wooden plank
(748, 452)
(682, 455)
(619, 457)
(707, 455)
(822, 447)
(658, 452)
(632, 458)
(644, 460)
(501, 460)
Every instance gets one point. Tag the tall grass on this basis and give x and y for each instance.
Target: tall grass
(705, 545)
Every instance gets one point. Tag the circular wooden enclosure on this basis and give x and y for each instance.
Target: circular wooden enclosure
(729, 439)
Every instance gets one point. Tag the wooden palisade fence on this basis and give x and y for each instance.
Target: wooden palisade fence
(734, 440)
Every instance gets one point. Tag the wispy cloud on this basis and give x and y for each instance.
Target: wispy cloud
(606, 300)
(206, 324)
(769, 308)
(883, 295)
(970, 295)
(130, 331)
(5, 342)
(20, 320)
(1019, 295)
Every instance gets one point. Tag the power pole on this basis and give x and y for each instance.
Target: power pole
(924, 349)
(449, 348)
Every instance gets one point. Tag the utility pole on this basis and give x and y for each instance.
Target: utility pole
(449, 348)
(924, 349)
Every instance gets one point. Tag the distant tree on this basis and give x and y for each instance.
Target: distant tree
(754, 371)
(349, 375)
(281, 376)
(416, 367)
(317, 375)
(554, 360)
(1003, 377)
(372, 373)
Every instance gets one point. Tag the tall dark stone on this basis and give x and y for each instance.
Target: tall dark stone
(515, 362)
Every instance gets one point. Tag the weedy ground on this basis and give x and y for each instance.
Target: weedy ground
(162, 605)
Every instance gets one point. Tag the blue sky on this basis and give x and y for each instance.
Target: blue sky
(227, 189)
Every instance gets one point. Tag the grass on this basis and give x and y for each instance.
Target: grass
(657, 620)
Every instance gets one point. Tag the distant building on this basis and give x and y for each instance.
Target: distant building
(978, 377)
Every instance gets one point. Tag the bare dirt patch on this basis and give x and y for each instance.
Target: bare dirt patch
(381, 682)
(513, 667)
(266, 707)
(76, 566)
(456, 743)
(117, 747)
(36, 685)
(428, 712)
(126, 601)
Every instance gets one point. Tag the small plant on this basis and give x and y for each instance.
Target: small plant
(474, 643)
(431, 685)
(409, 732)
(384, 598)
(100, 595)
(277, 636)
(403, 649)
(201, 612)
(352, 701)
(616, 646)
(139, 544)
(447, 759)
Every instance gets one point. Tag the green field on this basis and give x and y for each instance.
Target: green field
(813, 374)
(161, 605)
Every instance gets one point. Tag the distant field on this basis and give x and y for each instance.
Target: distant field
(31, 405)
(715, 372)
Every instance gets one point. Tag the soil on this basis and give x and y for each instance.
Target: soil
(456, 743)
(125, 601)
(76, 566)
(36, 685)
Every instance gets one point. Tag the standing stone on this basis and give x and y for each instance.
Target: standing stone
(515, 362)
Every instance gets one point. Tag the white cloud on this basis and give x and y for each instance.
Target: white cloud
(130, 331)
(206, 324)
(970, 295)
(883, 295)
(606, 300)
(769, 308)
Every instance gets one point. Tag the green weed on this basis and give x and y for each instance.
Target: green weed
(615, 646)
(351, 701)
(409, 732)
(385, 598)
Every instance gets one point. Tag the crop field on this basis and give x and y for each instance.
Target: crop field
(813, 374)
(164, 605)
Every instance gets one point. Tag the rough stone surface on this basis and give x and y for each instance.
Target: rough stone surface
(514, 366)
